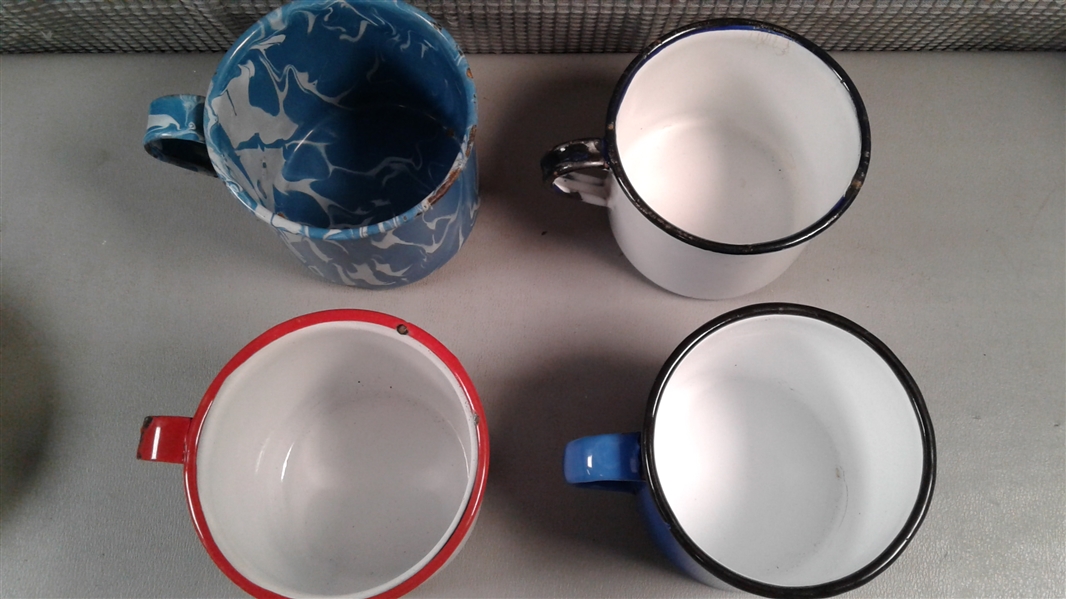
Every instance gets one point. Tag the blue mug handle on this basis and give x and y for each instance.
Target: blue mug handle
(609, 462)
(175, 132)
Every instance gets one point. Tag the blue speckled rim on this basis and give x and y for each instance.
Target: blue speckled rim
(921, 414)
(797, 238)
(237, 53)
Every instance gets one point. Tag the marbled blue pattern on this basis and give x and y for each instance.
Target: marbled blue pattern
(348, 126)
(175, 132)
(401, 254)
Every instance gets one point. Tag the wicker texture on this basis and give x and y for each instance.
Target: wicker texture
(535, 26)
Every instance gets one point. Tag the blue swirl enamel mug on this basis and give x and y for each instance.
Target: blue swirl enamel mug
(348, 126)
(785, 452)
(729, 145)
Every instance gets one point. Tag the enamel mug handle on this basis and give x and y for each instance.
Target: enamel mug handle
(559, 165)
(163, 439)
(610, 462)
(175, 132)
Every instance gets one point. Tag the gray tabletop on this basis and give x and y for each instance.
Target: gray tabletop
(127, 284)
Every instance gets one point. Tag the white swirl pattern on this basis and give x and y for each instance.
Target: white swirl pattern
(362, 162)
(175, 132)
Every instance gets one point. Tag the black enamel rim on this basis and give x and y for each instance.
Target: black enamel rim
(615, 162)
(925, 491)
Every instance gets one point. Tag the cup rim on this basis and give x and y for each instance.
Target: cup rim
(239, 49)
(477, 492)
(925, 491)
(799, 237)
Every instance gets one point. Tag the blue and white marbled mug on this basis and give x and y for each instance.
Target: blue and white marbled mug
(348, 126)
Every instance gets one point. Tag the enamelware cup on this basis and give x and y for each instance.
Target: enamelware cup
(348, 126)
(729, 145)
(785, 452)
(342, 453)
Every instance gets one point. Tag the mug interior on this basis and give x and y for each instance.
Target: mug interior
(788, 450)
(738, 135)
(337, 115)
(336, 461)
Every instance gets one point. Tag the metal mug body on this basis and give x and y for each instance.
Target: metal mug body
(729, 145)
(363, 164)
(401, 255)
(684, 268)
(342, 453)
(785, 452)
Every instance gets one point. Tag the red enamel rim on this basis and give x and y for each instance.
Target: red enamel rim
(480, 476)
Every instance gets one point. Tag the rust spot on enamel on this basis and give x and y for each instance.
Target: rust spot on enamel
(444, 187)
(470, 142)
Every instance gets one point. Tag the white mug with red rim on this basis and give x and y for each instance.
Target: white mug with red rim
(341, 453)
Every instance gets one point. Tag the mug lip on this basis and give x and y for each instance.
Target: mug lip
(928, 478)
(614, 160)
(477, 492)
(240, 48)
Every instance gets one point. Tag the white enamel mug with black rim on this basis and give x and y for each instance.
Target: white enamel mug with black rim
(339, 454)
(730, 144)
(785, 452)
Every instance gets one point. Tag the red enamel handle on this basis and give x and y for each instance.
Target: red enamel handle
(163, 439)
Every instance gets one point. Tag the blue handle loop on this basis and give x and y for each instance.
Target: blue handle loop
(610, 462)
(175, 132)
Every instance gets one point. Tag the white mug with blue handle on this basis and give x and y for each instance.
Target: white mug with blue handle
(348, 126)
(785, 452)
(729, 145)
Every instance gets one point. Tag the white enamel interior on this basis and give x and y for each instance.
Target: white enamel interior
(336, 461)
(687, 269)
(738, 136)
(788, 450)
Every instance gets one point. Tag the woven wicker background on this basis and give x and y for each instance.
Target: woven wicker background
(532, 26)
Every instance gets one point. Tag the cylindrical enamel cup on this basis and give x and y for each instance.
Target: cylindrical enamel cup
(729, 145)
(785, 452)
(342, 453)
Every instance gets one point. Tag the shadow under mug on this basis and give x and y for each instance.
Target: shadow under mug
(785, 452)
(730, 143)
(341, 453)
(348, 126)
